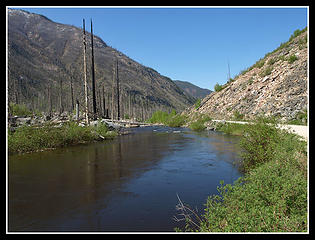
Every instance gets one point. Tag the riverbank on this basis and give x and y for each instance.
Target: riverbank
(30, 138)
(272, 195)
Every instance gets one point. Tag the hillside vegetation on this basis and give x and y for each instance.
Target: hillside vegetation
(276, 85)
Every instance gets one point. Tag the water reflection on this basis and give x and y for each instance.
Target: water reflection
(127, 184)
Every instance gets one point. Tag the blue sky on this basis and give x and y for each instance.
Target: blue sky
(188, 44)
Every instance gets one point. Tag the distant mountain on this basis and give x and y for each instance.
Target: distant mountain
(42, 52)
(192, 90)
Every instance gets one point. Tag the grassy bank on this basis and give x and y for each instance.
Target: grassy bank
(272, 195)
(30, 138)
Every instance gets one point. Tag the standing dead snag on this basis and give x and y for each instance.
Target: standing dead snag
(104, 108)
(93, 76)
(115, 91)
(71, 92)
(113, 94)
(49, 100)
(117, 87)
(77, 110)
(85, 77)
(60, 96)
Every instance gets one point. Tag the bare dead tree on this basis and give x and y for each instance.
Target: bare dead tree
(93, 77)
(113, 93)
(71, 92)
(60, 95)
(77, 110)
(85, 77)
(129, 105)
(117, 89)
(49, 100)
(104, 107)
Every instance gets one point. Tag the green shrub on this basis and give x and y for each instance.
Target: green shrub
(266, 72)
(198, 125)
(158, 117)
(251, 80)
(300, 118)
(292, 58)
(260, 63)
(273, 198)
(176, 121)
(218, 87)
(19, 110)
(259, 142)
(272, 195)
(197, 104)
(282, 58)
(237, 115)
(231, 128)
(297, 33)
(272, 61)
(172, 119)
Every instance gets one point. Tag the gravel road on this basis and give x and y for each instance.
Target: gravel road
(297, 129)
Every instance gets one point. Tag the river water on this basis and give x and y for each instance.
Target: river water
(129, 184)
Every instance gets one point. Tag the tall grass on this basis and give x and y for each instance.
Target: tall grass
(29, 138)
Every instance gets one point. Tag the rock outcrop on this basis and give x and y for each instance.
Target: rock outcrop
(275, 86)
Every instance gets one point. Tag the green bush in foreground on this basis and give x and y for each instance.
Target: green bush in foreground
(272, 195)
(272, 198)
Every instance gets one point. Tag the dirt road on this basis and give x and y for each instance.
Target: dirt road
(297, 129)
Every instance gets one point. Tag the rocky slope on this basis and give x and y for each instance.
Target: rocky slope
(276, 85)
(192, 90)
(42, 52)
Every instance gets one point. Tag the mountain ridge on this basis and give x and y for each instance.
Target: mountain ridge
(192, 90)
(41, 53)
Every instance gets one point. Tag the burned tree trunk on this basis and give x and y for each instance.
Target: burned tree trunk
(93, 77)
(60, 96)
(85, 77)
(49, 100)
(77, 110)
(113, 94)
(104, 107)
(117, 89)
(71, 92)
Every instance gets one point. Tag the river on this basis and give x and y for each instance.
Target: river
(128, 184)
